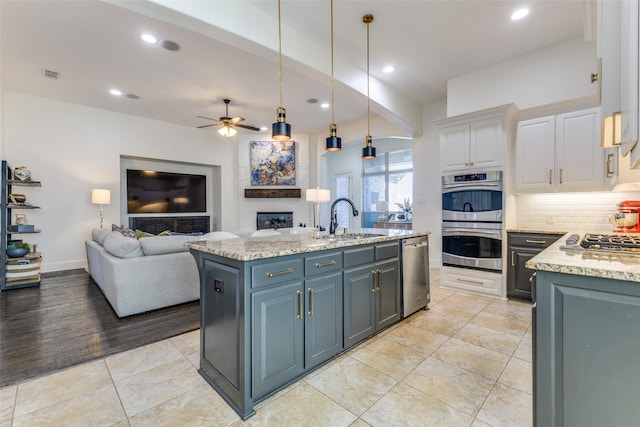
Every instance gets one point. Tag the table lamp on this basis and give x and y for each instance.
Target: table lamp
(316, 196)
(100, 197)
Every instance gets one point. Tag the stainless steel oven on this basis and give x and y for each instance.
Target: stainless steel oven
(472, 245)
(472, 197)
(472, 220)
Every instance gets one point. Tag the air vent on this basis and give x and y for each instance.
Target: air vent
(50, 74)
(132, 96)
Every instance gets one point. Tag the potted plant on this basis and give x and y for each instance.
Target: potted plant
(17, 250)
(406, 208)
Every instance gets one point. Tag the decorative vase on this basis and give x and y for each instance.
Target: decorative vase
(21, 173)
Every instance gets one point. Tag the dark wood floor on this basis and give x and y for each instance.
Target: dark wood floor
(67, 320)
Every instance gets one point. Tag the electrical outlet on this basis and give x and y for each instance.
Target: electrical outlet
(551, 219)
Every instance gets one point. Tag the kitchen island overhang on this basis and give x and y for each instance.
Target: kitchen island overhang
(274, 309)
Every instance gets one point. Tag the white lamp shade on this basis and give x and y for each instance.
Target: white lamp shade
(100, 196)
(318, 195)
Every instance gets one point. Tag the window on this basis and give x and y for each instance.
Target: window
(387, 178)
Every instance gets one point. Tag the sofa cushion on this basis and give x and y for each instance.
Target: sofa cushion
(164, 244)
(140, 234)
(124, 230)
(122, 247)
(98, 236)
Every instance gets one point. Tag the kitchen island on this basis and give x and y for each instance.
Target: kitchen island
(586, 337)
(275, 308)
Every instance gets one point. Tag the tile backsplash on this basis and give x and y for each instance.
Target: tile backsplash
(579, 212)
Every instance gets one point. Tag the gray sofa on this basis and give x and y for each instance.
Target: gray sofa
(142, 275)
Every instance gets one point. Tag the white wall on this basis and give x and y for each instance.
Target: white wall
(427, 191)
(72, 149)
(555, 74)
(247, 208)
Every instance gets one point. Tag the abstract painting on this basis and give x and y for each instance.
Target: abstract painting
(273, 163)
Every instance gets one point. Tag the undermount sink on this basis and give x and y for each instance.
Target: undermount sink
(348, 237)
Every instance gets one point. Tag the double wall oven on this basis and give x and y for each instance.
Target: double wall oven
(472, 220)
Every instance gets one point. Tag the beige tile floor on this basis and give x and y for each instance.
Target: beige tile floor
(465, 362)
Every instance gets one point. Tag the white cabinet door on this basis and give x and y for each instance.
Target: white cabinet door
(454, 148)
(535, 154)
(579, 156)
(560, 153)
(486, 148)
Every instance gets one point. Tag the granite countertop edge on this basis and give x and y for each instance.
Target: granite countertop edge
(254, 248)
(535, 231)
(601, 264)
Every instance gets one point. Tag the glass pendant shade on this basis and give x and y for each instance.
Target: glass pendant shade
(334, 143)
(281, 130)
(369, 151)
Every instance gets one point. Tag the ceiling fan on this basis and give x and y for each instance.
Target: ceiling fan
(227, 123)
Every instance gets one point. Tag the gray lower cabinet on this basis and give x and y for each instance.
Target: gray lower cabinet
(586, 352)
(371, 291)
(523, 247)
(265, 323)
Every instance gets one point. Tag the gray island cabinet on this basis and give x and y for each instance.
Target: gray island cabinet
(267, 321)
(586, 338)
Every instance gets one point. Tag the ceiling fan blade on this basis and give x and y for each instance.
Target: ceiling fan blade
(246, 127)
(237, 119)
(205, 126)
(202, 117)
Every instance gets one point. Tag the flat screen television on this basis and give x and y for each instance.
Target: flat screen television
(165, 192)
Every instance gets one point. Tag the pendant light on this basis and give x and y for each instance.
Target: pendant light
(369, 151)
(333, 142)
(280, 130)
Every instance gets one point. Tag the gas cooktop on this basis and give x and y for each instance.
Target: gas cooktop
(611, 242)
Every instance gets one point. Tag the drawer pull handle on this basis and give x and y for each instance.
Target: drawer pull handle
(280, 273)
(475, 282)
(513, 258)
(378, 273)
(325, 264)
(299, 304)
(550, 176)
(310, 313)
(537, 242)
(609, 166)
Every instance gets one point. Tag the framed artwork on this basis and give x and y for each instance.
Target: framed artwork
(273, 162)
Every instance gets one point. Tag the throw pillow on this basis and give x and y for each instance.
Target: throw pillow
(122, 247)
(165, 245)
(124, 230)
(140, 234)
(99, 235)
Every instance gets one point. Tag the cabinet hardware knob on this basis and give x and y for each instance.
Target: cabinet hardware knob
(310, 313)
(280, 273)
(325, 264)
(594, 77)
(299, 304)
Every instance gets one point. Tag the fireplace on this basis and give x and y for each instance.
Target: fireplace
(274, 220)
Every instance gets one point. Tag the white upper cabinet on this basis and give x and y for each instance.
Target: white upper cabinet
(475, 141)
(629, 75)
(561, 153)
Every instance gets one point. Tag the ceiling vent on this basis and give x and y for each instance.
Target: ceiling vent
(50, 74)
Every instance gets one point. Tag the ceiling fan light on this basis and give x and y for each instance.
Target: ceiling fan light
(227, 131)
(281, 130)
(334, 143)
(369, 151)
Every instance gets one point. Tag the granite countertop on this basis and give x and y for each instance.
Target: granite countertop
(251, 248)
(590, 263)
(534, 231)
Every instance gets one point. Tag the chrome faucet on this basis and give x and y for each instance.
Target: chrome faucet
(334, 217)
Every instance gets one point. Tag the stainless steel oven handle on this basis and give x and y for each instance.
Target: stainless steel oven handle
(471, 232)
(483, 186)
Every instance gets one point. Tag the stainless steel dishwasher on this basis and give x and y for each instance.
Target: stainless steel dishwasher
(415, 274)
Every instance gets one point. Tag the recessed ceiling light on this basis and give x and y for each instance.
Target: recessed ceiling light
(389, 69)
(324, 105)
(519, 14)
(149, 38)
(263, 128)
(312, 101)
(115, 92)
